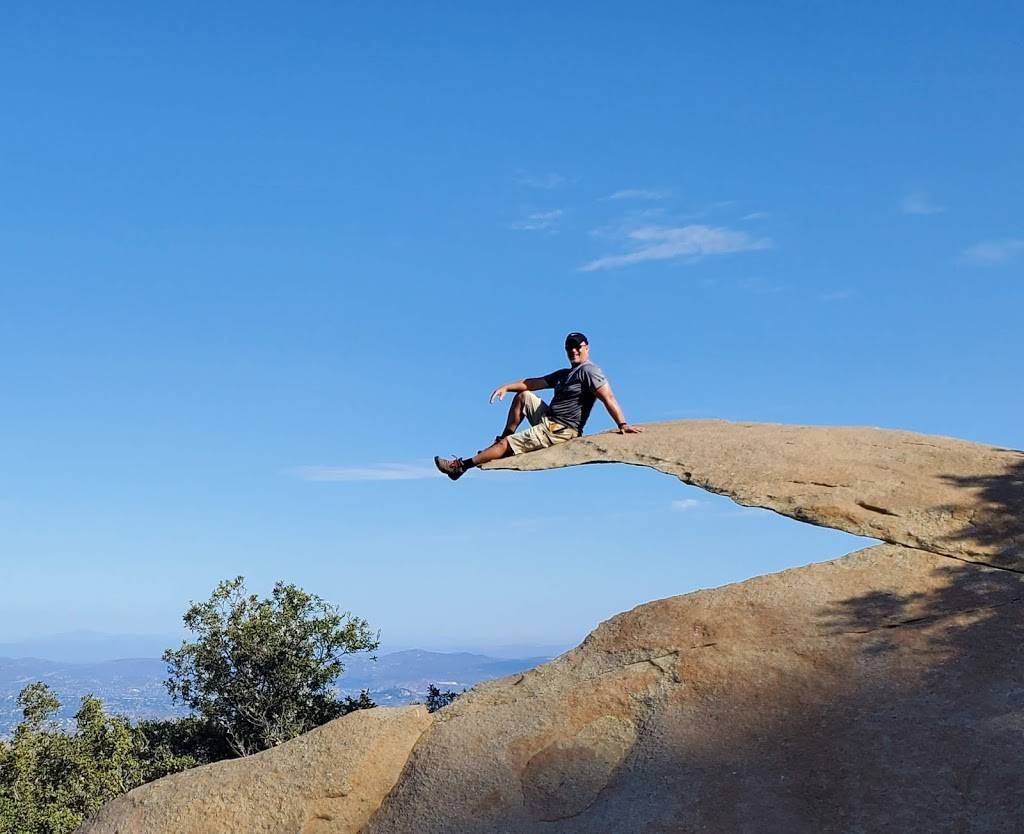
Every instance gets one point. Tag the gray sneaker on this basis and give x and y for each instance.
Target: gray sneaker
(453, 468)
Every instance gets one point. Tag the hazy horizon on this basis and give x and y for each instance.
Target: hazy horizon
(68, 647)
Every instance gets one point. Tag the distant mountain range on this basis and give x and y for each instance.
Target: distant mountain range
(97, 646)
(89, 646)
(134, 687)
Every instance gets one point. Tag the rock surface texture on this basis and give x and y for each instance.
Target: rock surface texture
(328, 780)
(879, 692)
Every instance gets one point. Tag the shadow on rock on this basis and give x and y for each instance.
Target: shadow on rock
(996, 523)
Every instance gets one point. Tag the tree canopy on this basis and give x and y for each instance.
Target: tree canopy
(262, 670)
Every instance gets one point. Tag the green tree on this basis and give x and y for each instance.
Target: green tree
(262, 670)
(38, 704)
(436, 699)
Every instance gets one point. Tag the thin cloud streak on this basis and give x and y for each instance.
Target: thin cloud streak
(661, 243)
(640, 194)
(918, 202)
(684, 504)
(371, 472)
(992, 252)
(543, 181)
(539, 221)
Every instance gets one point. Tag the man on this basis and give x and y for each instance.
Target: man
(576, 388)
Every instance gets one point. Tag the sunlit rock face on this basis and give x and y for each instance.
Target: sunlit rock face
(883, 691)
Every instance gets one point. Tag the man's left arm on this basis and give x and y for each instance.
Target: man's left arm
(606, 396)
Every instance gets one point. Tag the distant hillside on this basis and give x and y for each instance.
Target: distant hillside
(135, 687)
(89, 646)
(129, 687)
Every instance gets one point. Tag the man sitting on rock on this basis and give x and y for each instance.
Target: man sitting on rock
(576, 388)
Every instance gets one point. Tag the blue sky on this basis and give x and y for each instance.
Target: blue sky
(261, 263)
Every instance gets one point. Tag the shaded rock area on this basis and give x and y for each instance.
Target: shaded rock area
(328, 780)
(883, 691)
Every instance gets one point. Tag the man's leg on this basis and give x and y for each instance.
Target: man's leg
(524, 404)
(498, 449)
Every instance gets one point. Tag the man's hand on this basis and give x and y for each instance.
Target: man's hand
(499, 393)
(626, 428)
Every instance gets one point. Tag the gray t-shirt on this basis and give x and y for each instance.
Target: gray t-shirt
(574, 393)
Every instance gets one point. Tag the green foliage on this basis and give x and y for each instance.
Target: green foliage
(170, 741)
(261, 671)
(38, 704)
(51, 781)
(364, 701)
(436, 699)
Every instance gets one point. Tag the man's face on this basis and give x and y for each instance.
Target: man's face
(577, 353)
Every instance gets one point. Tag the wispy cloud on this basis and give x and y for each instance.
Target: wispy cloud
(760, 286)
(545, 181)
(640, 194)
(370, 472)
(684, 504)
(539, 221)
(836, 295)
(992, 252)
(756, 215)
(660, 243)
(918, 202)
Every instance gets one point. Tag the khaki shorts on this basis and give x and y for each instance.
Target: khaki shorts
(543, 432)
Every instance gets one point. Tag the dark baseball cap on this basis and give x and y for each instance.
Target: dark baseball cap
(576, 339)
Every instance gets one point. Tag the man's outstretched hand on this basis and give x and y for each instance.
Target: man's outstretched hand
(628, 429)
(498, 394)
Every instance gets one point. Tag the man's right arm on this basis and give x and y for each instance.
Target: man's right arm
(535, 383)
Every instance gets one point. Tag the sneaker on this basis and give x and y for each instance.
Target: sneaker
(453, 468)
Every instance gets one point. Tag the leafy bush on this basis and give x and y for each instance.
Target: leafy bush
(436, 699)
(50, 781)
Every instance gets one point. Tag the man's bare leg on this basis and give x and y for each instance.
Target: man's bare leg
(455, 468)
(498, 449)
(516, 414)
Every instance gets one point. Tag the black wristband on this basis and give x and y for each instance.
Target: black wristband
(623, 423)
